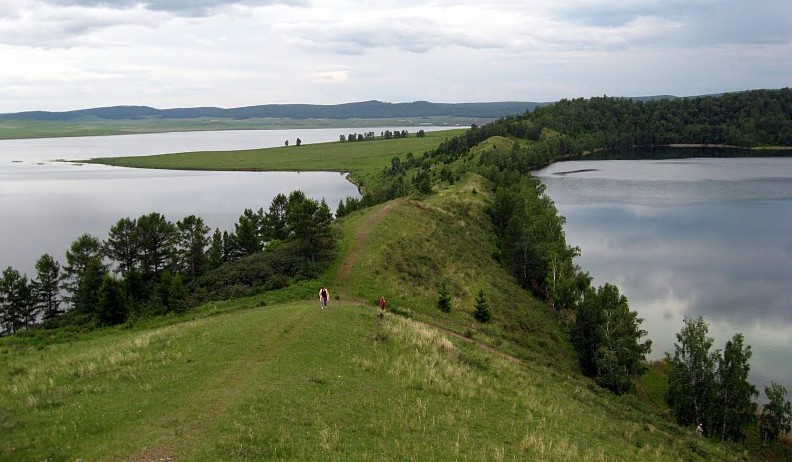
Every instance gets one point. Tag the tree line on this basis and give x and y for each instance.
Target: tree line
(386, 134)
(150, 265)
(745, 119)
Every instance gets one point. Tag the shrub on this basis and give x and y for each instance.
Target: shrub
(482, 311)
(444, 298)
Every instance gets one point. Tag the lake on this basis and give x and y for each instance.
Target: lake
(45, 205)
(690, 237)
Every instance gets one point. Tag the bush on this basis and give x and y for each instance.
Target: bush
(444, 299)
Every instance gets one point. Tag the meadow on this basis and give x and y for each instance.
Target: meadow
(364, 159)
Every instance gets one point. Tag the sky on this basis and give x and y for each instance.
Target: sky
(61, 55)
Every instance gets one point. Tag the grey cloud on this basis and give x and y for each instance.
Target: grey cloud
(701, 23)
(415, 35)
(191, 8)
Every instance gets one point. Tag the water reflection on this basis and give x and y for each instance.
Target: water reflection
(690, 237)
(44, 208)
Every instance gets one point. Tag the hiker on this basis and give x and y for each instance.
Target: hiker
(700, 430)
(324, 296)
(382, 306)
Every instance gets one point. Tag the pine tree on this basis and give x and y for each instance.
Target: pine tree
(46, 287)
(444, 298)
(111, 307)
(482, 311)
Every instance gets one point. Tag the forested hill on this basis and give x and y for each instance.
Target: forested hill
(363, 110)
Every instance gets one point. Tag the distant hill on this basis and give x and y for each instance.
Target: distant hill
(362, 110)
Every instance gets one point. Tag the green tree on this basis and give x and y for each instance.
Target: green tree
(122, 244)
(585, 336)
(691, 375)
(136, 290)
(83, 260)
(15, 301)
(443, 298)
(170, 292)
(620, 354)
(341, 209)
(85, 300)
(423, 182)
(46, 287)
(734, 407)
(191, 243)
(111, 306)
(482, 312)
(563, 279)
(274, 222)
(308, 225)
(247, 237)
(214, 256)
(607, 339)
(157, 238)
(776, 416)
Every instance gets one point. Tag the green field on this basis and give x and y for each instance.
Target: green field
(363, 159)
(262, 379)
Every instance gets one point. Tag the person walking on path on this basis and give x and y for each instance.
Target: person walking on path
(324, 296)
(382, 303)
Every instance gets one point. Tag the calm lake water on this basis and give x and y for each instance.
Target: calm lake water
(46, 205)
(690, 237)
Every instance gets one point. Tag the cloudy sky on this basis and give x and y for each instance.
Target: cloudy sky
(71, 54)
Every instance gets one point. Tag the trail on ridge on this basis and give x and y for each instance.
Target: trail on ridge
(358, 243)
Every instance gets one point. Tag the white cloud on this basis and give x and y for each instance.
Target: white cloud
(330, 76)
(250, 52)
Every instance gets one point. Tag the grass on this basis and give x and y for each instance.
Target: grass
(292, 382)
(363, 158)
(19, 129)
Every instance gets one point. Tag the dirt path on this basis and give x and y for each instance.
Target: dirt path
(354, 252)
(353, 256)
(214, 398)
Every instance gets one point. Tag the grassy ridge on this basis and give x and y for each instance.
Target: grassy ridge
(242, 380)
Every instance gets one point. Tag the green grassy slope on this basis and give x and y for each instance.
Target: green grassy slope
(242, 380)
